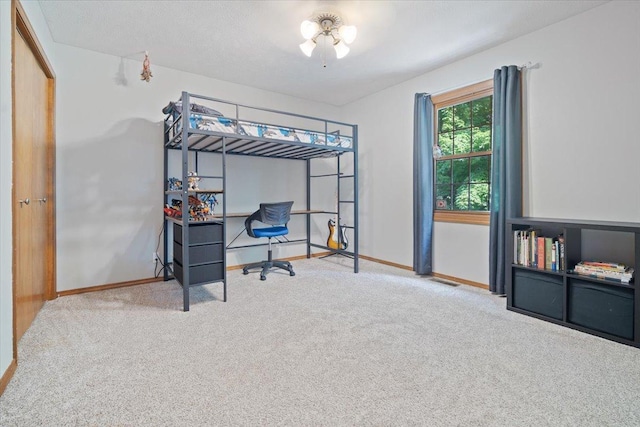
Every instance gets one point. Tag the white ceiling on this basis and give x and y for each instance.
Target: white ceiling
(255, 43)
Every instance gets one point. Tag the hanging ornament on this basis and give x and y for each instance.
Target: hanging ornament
(146, 68)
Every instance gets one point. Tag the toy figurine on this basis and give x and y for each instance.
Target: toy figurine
(175, 184)
(193, 180)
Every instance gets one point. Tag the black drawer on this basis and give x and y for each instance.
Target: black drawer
(537, 292)
(199, 254)
(199, 233)
(603, 308)
(200, 274)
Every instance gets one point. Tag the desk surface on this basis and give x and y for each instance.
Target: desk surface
(246, 214)
(218, 216)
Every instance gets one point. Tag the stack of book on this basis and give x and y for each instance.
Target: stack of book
(532, 249)
(605, 270)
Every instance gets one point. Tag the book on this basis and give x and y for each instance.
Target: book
(563, 262)
(548, 242)
(609, 271)
(626, 278)
(541, 257)
(604, 265)
(554, 254)
(517, 247)
(533, 247)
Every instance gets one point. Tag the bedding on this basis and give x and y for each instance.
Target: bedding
(217, 123)
(175, 108)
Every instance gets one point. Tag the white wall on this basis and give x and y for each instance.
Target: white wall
(109, 165)
(581, 147)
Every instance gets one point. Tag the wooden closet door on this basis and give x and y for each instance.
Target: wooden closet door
(31, 175)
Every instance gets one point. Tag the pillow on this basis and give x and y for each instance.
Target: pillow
(176, 108)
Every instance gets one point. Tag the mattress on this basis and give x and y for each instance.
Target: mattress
(260, 130)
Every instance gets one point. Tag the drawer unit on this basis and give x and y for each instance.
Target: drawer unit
(200, 274)
(199, 254)
(538, 292)
(199, 234)
(603, 308)
(206, 253)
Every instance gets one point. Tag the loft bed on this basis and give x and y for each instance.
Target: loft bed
(212, 125)
(208, 129)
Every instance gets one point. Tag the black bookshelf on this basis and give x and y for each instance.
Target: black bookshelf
(596, 306)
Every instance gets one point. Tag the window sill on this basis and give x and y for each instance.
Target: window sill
(476, 218)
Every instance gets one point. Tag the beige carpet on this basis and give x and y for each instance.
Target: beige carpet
(326, 347)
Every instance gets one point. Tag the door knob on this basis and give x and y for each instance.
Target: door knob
(43, 200)
(25, 201)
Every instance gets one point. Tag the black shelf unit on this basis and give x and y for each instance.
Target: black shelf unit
(198, 262)
(600, 307)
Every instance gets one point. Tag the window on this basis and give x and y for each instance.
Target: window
(463, 171)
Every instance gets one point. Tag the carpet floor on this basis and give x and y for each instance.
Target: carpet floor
(327, 347)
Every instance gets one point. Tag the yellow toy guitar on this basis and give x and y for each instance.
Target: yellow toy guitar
(333, 242)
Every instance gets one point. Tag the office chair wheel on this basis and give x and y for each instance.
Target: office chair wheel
(263, 277)
(291, 273)
(245, 271)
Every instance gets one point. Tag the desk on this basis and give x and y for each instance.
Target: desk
(246, 214)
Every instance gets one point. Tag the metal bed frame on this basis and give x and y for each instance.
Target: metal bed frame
(188, 139)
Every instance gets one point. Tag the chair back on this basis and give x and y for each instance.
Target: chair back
(275, 213)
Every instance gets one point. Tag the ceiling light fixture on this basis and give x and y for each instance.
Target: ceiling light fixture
(328, 25)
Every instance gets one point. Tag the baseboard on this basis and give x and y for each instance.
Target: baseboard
(293, 258)
(239, 266)
(462, 281)
(109, 286)
(381, 261)
(8, 374)
(438, 275)
(158, 279)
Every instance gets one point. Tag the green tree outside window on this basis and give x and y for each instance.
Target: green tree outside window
(463, 171)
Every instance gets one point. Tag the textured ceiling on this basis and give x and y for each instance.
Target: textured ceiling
(255, 43)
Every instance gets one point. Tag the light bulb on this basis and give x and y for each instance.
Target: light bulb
(341, 49)
(348, 33)
(309, 29)
(307, 47)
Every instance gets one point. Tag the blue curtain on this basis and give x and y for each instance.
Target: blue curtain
(506, 168)
(422, 183)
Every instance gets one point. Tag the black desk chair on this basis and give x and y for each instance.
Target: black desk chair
(277, 215)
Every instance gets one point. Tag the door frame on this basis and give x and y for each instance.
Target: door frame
(21, 27)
